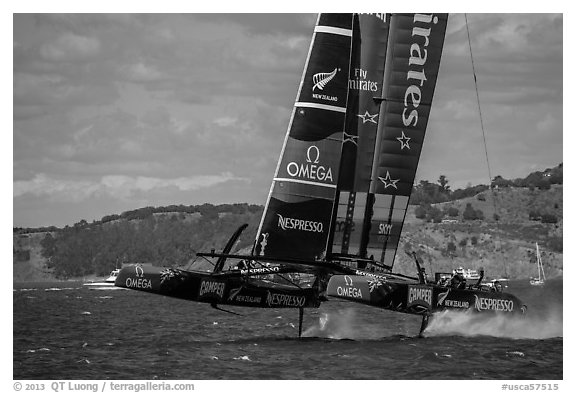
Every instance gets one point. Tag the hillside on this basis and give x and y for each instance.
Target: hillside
(503, 247)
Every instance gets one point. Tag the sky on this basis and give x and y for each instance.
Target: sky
(114, 112)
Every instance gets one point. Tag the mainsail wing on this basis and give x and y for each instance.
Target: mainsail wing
(297, 215)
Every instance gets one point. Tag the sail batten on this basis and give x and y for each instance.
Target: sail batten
(333, 30)
(309, 183)
(320, 106)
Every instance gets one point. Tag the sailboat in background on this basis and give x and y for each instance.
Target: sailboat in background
(541, 276)
(341, 188)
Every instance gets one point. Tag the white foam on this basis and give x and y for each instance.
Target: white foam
(529, 326)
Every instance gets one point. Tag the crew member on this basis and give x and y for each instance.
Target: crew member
(497, 286)
(458, 281)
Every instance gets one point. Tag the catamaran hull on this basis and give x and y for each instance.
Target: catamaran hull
(216, 289)
(398, 295)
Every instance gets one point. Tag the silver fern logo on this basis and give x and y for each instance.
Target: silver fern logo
(321, 79)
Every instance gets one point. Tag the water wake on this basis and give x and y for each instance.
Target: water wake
(341, 325)
(335, 325)
(531, 326)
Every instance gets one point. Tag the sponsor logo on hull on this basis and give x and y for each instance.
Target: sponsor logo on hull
(280, 299)
(235, 296)
(489, 304)
(139, 283)
(261, 270)
(450, 303)
(419, 296)
(210, 288)
(349, 290)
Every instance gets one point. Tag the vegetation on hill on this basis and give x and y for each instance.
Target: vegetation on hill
(426, 193)
(446, 227)
(158, 236)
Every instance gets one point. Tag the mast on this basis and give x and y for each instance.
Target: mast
(370, 35)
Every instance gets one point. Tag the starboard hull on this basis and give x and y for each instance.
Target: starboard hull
(414, 298)
(216, 289)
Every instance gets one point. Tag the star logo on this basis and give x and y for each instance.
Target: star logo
(368, 117)
(388, 182)
(404, 141)
(350, 138)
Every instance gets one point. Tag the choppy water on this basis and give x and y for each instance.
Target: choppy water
(66, 331)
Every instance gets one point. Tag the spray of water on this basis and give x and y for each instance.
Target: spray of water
(531, 326)
(335, 325)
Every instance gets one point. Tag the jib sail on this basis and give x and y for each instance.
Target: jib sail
(415, 44)
(297, 216)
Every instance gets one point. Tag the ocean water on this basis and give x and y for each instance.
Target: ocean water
(68, 331)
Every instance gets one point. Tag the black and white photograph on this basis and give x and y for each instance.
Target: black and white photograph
(262, 196)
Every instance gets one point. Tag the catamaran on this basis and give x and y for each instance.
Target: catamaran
(341, 188)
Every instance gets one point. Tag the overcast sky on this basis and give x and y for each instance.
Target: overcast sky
(117, 112)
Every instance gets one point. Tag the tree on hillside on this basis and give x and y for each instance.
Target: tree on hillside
(444, 187)
(48, 246)
(500, 182)
(471, 214)
(453, 212)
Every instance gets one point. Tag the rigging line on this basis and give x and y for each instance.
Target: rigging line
(481, 118)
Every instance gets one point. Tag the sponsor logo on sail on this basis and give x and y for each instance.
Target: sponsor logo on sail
(139, 271)
(320, 81)
(417, 67)
(212, 288)
(490, 304)
(300, 225)
(312, 169)
(280, 299)
(349, 290)
(384, 229)
(360, 81)
(382, 17)
(421, 296)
